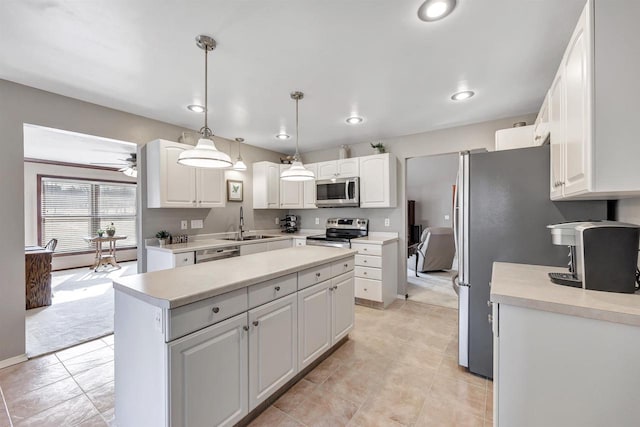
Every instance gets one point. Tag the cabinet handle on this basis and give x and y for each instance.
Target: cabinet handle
(538, 137)
(364, 260)
(317, 274)
(245, 328)
(186, 259)
(346, 266)
(215, 310)
(277, 288)
(255, 323)
(193, 201)
(335, 287)
(364, 272)
(365, 289)
(489, 304)
(489, 318)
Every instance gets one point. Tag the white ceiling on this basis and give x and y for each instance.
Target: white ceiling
(69, 147)
(372, 58)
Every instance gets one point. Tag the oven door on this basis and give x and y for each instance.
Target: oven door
(338, 192)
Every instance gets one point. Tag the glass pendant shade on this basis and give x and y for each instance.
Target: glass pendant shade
(205, 155)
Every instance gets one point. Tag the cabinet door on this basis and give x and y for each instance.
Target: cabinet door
(210, 188)
(273, 186)
(541, 125)
(314, 322)
(342, 306)
(209, 375)
(310, 188)
(254, 248)
(577, 107)
(273, 347)
(348, 167)
(327, 170)
(374, 181)
(178, 182)
(291, 193)
(557, 129)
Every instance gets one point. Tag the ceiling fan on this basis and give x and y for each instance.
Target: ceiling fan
(129, 168)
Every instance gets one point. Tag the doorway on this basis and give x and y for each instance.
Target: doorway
(432, 262)
(80, 191)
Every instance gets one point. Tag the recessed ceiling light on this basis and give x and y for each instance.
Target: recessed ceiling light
(282, 136)
(433, 10)
(196, 108)
(461, 96)
(354, 120)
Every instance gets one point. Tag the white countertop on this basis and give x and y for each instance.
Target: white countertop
(377, 238)
(529, 286)
(184, 285)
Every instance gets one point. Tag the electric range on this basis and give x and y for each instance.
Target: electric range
(340, 231)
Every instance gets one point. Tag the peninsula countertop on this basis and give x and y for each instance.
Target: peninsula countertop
(184, 285)
(529, 286)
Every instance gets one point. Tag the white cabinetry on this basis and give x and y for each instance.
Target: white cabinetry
(592, 117)
(342, 313)
(310, 188)
(266, 185)
(342, 168)
(376, 272)
(291, 192)
(541, 125)
(208, 375)
(515, 137)
(273, 347)
(162, 260)
(378, 181)
(171, 185)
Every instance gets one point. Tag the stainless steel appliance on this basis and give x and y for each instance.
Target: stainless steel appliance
(289, 224)
(603, 255)
(338, 192)
(501, 212)
(206, 255)
(340, 231)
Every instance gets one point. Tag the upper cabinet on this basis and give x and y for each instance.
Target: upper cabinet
(541, 125)
(171, 185)
(515, 137)
(342, 168)
(591, 106)
(291, 192)
(310, 188)
(266, 185)
(378, 181)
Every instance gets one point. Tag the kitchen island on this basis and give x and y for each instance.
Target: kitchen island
(563, 356)
(211, 344)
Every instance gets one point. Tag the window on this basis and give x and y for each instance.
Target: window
(72, 209)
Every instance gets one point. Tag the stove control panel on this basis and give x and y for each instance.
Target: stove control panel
(348, 223)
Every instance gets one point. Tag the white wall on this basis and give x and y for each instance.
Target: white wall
(31, 172)
(475, 136)
(430, 181)
(629, 210)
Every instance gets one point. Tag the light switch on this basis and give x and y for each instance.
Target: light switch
(197, 223)
(184, 224)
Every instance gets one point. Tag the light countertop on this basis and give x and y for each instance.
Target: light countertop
(184, 285)
(529, 286)
(377, 238)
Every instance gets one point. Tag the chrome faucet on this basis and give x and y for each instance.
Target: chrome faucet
(241, 227)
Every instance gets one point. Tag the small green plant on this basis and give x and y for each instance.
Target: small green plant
(100, 232)
(163, 234)
(111, 230)
(379, 147)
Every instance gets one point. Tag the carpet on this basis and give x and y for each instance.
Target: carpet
(432, 288)
(81, 310)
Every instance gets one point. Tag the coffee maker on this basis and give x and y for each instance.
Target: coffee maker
(603, 255)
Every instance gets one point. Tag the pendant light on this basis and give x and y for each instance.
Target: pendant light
(239, 164)
(297, 171)
(205, 154)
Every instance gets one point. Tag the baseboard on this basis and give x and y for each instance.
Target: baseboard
(13, 361)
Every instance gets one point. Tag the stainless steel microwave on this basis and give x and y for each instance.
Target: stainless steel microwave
(338, 192)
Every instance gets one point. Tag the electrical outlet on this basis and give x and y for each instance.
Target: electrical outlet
(184, 224)
(277, 221)
(197, 223)
(317, 221)
(387, 222)
(446, 217)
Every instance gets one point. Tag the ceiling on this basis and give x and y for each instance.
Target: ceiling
(372, 58)
(70, 147)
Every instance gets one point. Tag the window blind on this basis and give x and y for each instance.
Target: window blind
(71, 209)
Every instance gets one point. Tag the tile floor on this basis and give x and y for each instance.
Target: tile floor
(398, 369)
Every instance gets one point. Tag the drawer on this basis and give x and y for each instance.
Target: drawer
(369, 273)
(365, 249)
(342, 266)
(299, 242)
(314, 275)
(187, 258)
(368, 289)
(272, 289)
(369, 261)
(192, 317)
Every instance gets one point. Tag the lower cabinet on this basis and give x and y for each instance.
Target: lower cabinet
(273, 347)
(208, 375)
(342, 313)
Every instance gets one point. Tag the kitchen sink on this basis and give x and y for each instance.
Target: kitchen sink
(254, 237)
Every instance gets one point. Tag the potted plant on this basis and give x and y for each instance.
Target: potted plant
(379, 147)
(111, 230)
(100, 232)
(162, 237)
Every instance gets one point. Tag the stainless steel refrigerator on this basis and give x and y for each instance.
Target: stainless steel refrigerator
(502, 208)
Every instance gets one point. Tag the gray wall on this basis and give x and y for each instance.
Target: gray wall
(480, 135)
(22, 104)
(430, 181)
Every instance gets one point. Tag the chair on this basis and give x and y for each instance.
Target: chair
(435, 251)
(51, 245)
